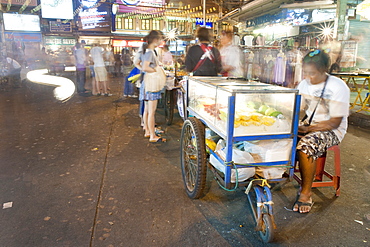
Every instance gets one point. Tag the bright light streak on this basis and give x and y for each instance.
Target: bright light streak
(327, 31)
(64, 87)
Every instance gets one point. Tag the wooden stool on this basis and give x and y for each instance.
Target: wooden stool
(320, 171)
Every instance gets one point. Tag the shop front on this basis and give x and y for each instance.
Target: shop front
(56, 43)
(131, 45)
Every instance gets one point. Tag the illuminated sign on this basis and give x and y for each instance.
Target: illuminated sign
(95, 19)
(59, 41)
(127, 43)
(60, 27)
(19, 22)
(88, 3)
(23, 37)
(140, 6)
(57, 9)
(200, 22)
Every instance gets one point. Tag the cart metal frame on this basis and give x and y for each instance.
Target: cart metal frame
(194, 164)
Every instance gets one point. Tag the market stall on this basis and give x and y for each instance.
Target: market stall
(249, 130)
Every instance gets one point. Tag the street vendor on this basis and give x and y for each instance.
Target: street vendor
(325, 100)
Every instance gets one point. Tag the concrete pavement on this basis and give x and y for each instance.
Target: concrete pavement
(82, 174)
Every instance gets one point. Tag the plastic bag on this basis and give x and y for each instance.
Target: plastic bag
(239, 156)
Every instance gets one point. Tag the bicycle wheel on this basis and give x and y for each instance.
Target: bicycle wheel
(169, 106)
(267, 232)
(193, 157)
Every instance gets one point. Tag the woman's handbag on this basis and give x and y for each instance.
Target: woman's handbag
(155, 81)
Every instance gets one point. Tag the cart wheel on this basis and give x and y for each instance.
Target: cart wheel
(267, 233)
(193, 157)
(169, 106)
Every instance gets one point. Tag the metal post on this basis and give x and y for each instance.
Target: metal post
(204, 13)
(340, 19)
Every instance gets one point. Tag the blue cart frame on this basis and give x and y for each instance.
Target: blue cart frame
(194, 164)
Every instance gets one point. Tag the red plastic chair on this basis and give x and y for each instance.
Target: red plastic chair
(320, 171)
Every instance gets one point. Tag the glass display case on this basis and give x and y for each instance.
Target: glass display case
(260, 109)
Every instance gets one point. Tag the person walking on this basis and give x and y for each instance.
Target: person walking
(14, 72)
(81, 62)
(128, 87)
(149, 62)
(97, 53)
(203, 59)
(231, 56)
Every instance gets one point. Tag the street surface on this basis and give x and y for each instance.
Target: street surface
(81, 173)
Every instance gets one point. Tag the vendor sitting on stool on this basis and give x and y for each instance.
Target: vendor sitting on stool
(325, 99)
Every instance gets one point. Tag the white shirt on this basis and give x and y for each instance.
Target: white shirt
(335, 102)
(97, 56)
(16, 65)
(231, 56)
(80, 55)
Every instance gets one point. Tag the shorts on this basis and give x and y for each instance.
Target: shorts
(315, 144)
(148, 95)
(100, 74)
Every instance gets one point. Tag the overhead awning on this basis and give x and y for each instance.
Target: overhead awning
(310, 5)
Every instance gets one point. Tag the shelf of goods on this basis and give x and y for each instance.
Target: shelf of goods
(254, 125)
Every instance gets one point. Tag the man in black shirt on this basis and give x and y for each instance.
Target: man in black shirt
(203, 59)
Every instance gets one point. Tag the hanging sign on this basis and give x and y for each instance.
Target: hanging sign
(19, 2)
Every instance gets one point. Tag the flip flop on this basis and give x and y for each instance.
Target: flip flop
(305, 204)
(147, 136)
(159, 140)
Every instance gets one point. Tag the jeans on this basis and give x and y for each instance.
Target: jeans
(129, 88)
(81, 78)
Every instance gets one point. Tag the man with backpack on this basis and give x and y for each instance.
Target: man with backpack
(203, 59)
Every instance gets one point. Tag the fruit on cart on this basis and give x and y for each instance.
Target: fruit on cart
(211, 144)
(262, 109)
(268, 121)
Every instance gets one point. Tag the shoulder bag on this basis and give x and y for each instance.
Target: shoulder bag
(155, 81)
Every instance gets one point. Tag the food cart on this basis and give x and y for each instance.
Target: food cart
(246, 133)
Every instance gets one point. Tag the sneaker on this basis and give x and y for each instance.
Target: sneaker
(108, 94)
(134, 96)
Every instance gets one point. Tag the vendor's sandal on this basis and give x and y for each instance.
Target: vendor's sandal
(159, 140)
(302, 204)
(147, 136)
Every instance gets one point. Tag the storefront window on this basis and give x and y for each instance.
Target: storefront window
(145, 24)
(171, 25)
(128, 24)
(119, 23)
(182, 26)
(156, 25)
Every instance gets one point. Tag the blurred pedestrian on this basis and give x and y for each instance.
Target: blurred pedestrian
(14, 72)
(81, 63)
(100, 72)
(203, 59)
(109, 60)
(166, 58)
(129, 88)
(231, 56)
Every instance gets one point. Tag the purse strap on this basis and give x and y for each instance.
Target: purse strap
(318, 102)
